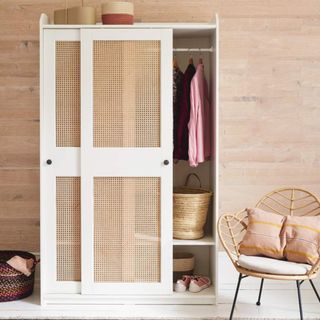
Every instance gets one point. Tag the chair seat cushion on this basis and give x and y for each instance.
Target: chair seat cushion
(272, 266)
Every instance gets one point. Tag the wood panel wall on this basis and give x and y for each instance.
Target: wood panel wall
(270, 95)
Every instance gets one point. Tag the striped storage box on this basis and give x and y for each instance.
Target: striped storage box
(117, 13)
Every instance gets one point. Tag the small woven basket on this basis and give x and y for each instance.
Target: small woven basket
(183, 264)
(190, 208)
(14, 285)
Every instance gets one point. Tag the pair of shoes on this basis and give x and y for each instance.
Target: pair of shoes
(193, 283)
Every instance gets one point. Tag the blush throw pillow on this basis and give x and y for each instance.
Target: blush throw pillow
(302, 239)
(264, 235)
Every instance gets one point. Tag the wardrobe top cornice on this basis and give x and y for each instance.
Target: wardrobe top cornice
(44, 23)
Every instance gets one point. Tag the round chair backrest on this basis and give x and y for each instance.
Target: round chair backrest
(291, 201)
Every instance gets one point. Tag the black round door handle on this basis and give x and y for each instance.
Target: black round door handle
(49, 161)
(166, 162)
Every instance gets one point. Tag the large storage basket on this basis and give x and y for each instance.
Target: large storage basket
(190, 208)
(14, 285)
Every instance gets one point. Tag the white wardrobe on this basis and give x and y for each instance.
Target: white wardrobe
(107, 172)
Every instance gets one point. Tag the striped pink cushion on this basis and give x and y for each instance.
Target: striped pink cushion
(302, 239)
(264, 235)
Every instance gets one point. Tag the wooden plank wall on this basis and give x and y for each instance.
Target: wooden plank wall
(270, 93)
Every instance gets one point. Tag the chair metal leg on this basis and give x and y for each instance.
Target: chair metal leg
(235, 296)
(260, 292)
(299, 297)
(314, 289)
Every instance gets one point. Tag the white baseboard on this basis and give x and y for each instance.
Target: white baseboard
(228, 278)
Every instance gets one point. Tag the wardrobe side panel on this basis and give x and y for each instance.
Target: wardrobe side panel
(216, 150)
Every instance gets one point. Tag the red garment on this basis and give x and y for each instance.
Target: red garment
(181, 142)
(177, 93)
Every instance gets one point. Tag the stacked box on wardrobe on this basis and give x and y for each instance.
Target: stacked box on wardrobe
(85, 165)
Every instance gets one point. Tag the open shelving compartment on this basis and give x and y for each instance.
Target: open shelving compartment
(201, 42)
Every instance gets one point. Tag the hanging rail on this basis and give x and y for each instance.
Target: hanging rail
(193, 49)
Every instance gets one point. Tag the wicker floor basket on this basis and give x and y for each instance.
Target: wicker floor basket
(190, 208)
(14, 285)
(183, 264)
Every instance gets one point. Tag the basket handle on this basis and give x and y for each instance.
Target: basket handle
(195, 175)
(35, 263)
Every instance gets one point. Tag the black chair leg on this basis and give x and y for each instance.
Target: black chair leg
(235, 296)
(314, 289)
(299, 297)
(260, 292)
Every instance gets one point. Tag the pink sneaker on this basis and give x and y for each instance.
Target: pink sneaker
(199, 283)
(182, 284)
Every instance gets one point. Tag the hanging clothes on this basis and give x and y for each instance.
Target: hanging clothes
(177, 87)
(180, 151)
(199, 123)
(177, 94)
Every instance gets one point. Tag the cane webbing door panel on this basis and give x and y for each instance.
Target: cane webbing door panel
(126, 229)
(126, 82)
(60, 122)
(68, 228)
(68, 93)
(126, 134)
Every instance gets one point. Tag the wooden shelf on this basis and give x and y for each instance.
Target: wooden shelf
(205, 241)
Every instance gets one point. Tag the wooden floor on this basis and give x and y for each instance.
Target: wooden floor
(276, 304)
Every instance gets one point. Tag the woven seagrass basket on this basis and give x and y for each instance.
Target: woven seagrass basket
(183, 264)
(190, 208)
(14, 285)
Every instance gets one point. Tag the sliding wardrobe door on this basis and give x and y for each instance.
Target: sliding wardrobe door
(60, 162)
(126, 172)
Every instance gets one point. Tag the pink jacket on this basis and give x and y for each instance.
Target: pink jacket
(200, 116)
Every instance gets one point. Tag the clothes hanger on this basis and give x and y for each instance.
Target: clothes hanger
(200, 57)
(190, 57)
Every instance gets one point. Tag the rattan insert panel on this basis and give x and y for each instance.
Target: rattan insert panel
(68, 94)
(126, 93)
(126, 229)
(68, 228)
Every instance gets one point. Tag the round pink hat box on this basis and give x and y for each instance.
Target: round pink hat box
(117, 13)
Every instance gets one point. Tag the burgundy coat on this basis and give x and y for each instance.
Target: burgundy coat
(181, 141)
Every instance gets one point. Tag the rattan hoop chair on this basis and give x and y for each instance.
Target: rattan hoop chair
(285, 201)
